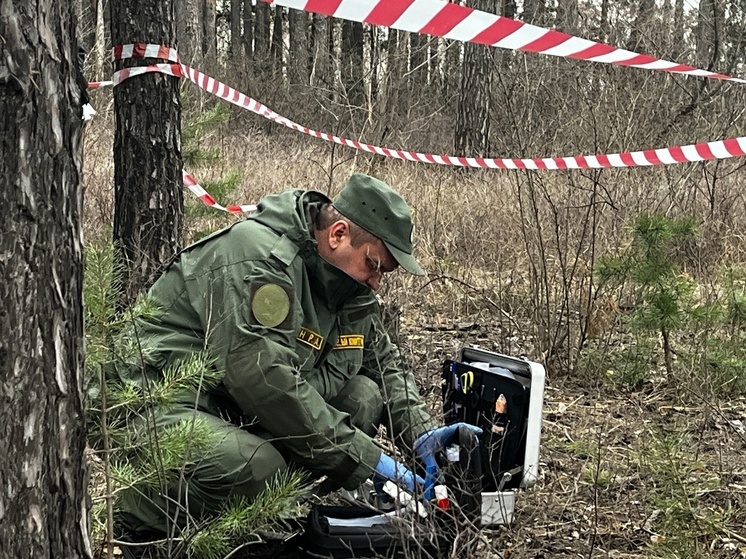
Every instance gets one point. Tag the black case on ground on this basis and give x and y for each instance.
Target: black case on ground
(469, 395)
(323, 539)
(430, 538)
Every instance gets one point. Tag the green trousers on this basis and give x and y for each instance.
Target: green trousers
(240, 462)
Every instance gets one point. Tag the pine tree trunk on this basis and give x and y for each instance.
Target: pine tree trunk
(148, 191)
(321, 77)
(189, 30)
(473, 114)
(418, 47)
(352, 62)
(248, 29)
(275, 51)
(678, 30)
(209, 35)
(262, 22)
(236, 12)
(43, 500)
(298, 57)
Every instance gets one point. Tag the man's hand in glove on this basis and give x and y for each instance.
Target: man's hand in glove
(390, 469)
(431, 442)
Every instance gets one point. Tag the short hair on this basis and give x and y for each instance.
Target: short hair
(328, 215)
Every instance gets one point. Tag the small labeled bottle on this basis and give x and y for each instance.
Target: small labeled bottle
(501, 409)
(441, 497)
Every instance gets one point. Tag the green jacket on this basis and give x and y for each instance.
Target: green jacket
(286, 352)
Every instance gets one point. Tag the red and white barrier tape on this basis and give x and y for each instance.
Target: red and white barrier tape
(144, 50)
(720, 149)
(176, 70)
(138, 50)
(96, 85)
(208, 200)
(453, 21)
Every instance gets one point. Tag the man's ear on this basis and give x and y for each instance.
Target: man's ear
(337, 232)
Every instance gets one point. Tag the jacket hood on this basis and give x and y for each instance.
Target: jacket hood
(289, 213)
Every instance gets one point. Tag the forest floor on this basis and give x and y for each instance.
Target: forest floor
(623, 474)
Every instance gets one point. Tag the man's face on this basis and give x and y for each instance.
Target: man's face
(365, 263)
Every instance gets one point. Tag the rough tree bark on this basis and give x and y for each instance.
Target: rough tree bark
(236, 7)
(189, 31)
(321, 78)
(298, 59)
(262, 24)
(248, 30)
(277, 43)
(148, 190)
(209, 35)
(473, 114)
(352, 62)
(43, 500)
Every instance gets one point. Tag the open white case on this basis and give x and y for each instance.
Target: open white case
(498, 506)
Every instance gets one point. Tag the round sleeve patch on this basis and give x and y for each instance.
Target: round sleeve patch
(270, 305)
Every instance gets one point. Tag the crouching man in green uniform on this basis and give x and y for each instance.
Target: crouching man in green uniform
(285, 303)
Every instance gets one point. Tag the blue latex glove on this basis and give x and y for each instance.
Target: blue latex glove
(429, 443)
(390, 469)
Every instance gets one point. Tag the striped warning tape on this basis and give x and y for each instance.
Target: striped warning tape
(453, 21)
(720, 149)
(208, 200)
(145, 50)
(704, 151)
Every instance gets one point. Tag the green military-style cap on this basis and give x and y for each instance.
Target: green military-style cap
(379, 209)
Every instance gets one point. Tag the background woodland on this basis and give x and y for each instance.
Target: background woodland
(628, 284)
